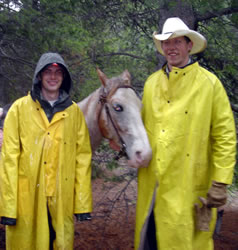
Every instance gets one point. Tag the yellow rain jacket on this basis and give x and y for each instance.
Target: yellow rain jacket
(192, 134)
(51, 167)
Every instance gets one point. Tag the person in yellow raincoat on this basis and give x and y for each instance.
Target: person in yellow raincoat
(45, 170)
(191, 129)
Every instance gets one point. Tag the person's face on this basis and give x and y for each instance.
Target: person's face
(176, 51)
(52, 78)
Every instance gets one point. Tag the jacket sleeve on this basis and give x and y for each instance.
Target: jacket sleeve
(9, 164)
(223, 134)
(83, 189)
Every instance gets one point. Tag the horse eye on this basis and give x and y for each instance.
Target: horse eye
(117, 107)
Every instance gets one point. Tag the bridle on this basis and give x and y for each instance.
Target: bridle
(104, 103)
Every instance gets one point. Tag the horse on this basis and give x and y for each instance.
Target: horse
(113, 111)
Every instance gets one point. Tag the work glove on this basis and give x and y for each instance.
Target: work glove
(8, 221)
(83, 217)
(216, 197)
(203, 215)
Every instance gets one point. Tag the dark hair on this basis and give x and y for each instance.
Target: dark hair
(60, 65)
(187, 39)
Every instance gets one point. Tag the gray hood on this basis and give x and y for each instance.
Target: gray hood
(49, 58)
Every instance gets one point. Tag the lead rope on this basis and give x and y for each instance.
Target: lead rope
(122, 152)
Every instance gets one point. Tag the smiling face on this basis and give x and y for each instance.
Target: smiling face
(51, 78)
(176, 51)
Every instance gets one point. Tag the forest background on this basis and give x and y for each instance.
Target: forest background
(113, 35)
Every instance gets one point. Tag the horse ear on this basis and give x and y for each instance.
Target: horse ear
(126, 76)
(103, 78)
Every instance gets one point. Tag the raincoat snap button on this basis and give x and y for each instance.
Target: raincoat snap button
(44, 162)
(38, 109)
(176, 72)
(168, 101)
(48, 133)
(186, 112)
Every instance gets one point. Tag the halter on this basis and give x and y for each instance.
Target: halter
(103, 101)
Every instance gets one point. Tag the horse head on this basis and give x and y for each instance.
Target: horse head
(120, 120)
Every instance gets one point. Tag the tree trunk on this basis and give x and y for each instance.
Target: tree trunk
(176, 8)
(3, 92)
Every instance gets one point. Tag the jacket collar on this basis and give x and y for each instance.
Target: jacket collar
(63, 102)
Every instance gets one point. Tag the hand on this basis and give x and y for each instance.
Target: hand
(8, 221)
(83, 217)
(217, 195)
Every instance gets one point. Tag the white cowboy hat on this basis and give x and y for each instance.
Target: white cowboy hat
(175, 27)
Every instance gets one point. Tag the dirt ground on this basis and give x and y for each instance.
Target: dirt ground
(112, 225)
(227, 239)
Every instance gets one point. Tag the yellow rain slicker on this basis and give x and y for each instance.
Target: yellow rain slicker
(51, 167)
(192, 134)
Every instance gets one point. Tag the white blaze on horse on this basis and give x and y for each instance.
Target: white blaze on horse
(114, 112)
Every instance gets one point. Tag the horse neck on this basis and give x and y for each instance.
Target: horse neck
(90, 107)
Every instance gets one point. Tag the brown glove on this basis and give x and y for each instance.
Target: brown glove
(216, 197)
(203, 215)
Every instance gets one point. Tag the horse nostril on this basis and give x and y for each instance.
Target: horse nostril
(138, 154)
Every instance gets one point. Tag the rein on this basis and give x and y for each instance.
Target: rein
(103, 101)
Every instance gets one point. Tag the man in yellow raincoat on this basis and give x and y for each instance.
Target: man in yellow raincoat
(191, 129)
(45, 172)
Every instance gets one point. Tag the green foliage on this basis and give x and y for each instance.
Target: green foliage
(212, 6)
(112, 164)
(97, 172)
(113, 35)
(103, 160)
